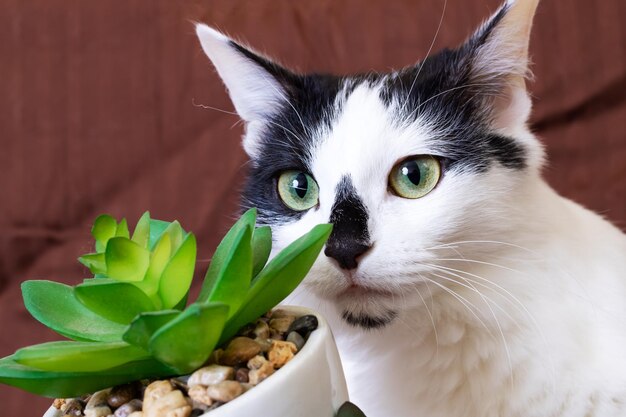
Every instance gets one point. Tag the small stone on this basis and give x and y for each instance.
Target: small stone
(99, 411)
(261, 330)
(136, 414)
(281, 324)
(276, 335)
(225, 391)
(246, 386)
(162, 400)
(199, 394)
(125, 410)
(73, 408)
(97, 405)
(211, 374)
(304, 325)
(281, 352)
(247, 331)
(260, 368)
(240, 350)
(296, 339)
(121, 394)
(215, 357)
(276, 314)
(241, 375)
(59, 403)
(264, 343)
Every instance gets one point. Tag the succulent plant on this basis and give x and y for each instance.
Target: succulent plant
(130, 322)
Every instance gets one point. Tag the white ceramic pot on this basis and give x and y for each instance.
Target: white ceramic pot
(312, 384)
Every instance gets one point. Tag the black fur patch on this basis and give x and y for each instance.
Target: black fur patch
(368, 322)
(440, 87)
(350, 236)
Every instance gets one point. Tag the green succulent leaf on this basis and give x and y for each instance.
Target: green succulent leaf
(159, 257)
(145, 325)
(261, 248)
(157, 227)
(95, 262)
(122, 229)
(232, 280)
(177, 275)
(348, 409)
(186, 342)
(141, 234)
(177, 234)
(224, 253)
(279, 278)
(56, 306)
(117, 301)
(75, 384)
(68, 356)
(103, 229)
(126, 260)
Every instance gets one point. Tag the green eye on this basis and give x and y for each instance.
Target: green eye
(298, 190)
(415, 177)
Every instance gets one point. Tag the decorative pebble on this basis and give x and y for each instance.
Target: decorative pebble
(241, 375)
(125, 410)
(296, 339)
(97, 405)
(304, 325)
(264, 343)
(211, 374)
(260, 368)
(281, 324)
(73, 408)
(240, 350)
(161, 399)
(121, 394)
(59, 404)
(276, 335)
(225, 391)
(215, 357)
(247, 330)
(280, 353)
(261, 330)
(199, 393)
(136, 414)
(278, 313)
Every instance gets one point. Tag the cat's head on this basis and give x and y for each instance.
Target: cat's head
(402, 163)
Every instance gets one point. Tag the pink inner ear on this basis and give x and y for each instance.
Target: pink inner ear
(511, 108)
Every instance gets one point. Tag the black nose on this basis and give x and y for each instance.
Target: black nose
(345, 252)
(350, 237)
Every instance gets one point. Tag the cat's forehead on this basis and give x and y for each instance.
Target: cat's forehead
(366, 136)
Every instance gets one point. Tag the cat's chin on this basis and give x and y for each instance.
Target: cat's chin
(365, 307)
(367, 321)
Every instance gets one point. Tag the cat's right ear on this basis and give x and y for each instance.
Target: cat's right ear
(257, 86)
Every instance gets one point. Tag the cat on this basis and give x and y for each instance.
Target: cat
(456, 281)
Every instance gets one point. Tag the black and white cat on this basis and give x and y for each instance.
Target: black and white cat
(457, 282)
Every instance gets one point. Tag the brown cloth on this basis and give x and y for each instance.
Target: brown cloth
(99, 112)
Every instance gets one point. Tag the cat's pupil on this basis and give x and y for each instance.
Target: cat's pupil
(300, 184)
(412, 171)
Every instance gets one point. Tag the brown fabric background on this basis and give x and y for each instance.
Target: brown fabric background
(97, 114)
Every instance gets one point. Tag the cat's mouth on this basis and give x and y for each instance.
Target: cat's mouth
(359, 291)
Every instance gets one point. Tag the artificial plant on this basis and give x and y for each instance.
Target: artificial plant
(130, 321)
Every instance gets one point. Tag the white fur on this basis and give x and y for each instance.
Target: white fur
(254, 93)
(538, 328)
(511, 299)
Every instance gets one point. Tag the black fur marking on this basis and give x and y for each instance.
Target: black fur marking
(286, 139)
(350, 236)
(368, 322)
(439, 87)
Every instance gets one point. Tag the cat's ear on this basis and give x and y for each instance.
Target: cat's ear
(499, 62)
(257, 86)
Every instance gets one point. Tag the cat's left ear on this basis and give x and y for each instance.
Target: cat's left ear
(257, 86)
(499, 62)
